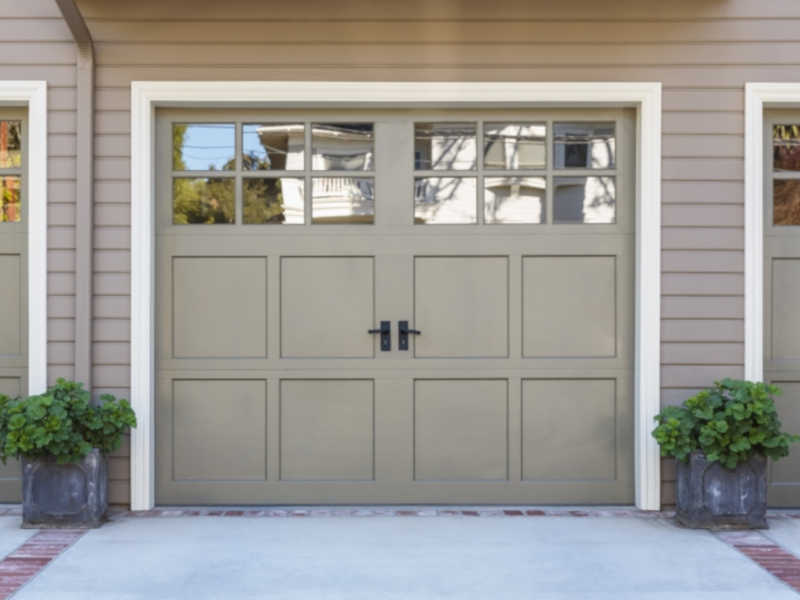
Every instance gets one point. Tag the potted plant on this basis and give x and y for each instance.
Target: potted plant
(63, 439)
(721, 439)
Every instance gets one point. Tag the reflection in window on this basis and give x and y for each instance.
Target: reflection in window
(343, 200)
(203, 146)
(514, 199)
(10, 207)
(272, 200)
(786, 202)
(444, 146)
(202, 200)
(441, 200)
(584, 200)
(786, 147)
(272, 146)
(514, 145)
(10, 144)
(584, 145)
(342, 146)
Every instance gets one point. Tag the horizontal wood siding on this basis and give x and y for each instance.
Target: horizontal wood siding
(702, 52)
(37, 44)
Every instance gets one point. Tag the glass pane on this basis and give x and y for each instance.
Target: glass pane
(584, 200)
(514, 199)
(272, 146)
(10, 144)
(514, 146)
(10, 207)
(273, 200)
(203, 146)
(786, 147)
(786, 202)
(445, 200)
(202, 200)
(343, 146)
(445, 146)
(343, 200)
(584, 145)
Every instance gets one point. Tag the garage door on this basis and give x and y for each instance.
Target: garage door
(782, 289)
(13, 274)
(395, 306)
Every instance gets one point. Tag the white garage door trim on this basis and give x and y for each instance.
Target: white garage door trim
(146, 95)
(33, 94)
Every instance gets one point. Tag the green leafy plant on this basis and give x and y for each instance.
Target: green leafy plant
(729, 423)
(62, 423)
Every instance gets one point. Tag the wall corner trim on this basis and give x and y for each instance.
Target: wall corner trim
(644, 96)
(33, 95)
(758, 96)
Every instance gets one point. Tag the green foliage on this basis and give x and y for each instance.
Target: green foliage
(729, 423)
(62, 423)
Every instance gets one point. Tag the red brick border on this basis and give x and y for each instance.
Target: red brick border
(767, 554)
(27, 561)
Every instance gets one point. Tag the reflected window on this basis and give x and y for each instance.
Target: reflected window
(584, 200)
(343, 200)
(202, 200)
(273, 146)
(10, 205)
(273, 200)
(203, 146)
(10, 144)
(786, 147)
(786, 202)
(514, 199)
(445, 200)
(514, 145)
(584, 145)
(445, 146)
(343, 146)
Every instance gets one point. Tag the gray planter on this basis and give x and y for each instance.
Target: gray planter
(710, 496)
(69, 495)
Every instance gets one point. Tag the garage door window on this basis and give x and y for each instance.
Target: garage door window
(786, 174)
(10, 171)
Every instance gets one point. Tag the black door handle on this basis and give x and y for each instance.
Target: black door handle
(403, 332)
(386, 335)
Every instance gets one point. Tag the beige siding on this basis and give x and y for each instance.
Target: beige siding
(702, 52)
(37, 44)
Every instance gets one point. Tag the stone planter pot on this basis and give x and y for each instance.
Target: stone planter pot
(710, 496)
(73, 495)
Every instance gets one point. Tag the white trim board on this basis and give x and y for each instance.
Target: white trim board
(33, 95)
(645, 97)
(758, 97)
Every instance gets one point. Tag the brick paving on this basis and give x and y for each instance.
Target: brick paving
(24, 563)
(767, 554)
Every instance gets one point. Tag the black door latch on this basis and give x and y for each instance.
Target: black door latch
(403, 332)
(386, 335)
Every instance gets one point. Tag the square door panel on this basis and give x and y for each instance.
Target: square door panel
(327, 430)
(569, 430)
(460, 430)
(219, 307)
(11, 303)
(461, 306)
(569, 306)
(219, 430)
(787, 470)
(327, 307)
(785, 326)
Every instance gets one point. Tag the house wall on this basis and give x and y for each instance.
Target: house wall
(703, 51)
(36, 44)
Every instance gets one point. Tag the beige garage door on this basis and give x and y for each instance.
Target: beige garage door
(782, 289)
(13, 274)
(503, 240)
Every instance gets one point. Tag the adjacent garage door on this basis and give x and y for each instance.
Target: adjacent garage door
(13, 274)
(782, 289)
(503, 238)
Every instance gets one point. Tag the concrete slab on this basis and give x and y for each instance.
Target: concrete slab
(786, 533)
(402, 558)
(11, 536)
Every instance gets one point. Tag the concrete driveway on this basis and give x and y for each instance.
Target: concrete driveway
(401, 558)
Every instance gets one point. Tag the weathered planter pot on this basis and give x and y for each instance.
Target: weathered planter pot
(710, 496)
(64, 495)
